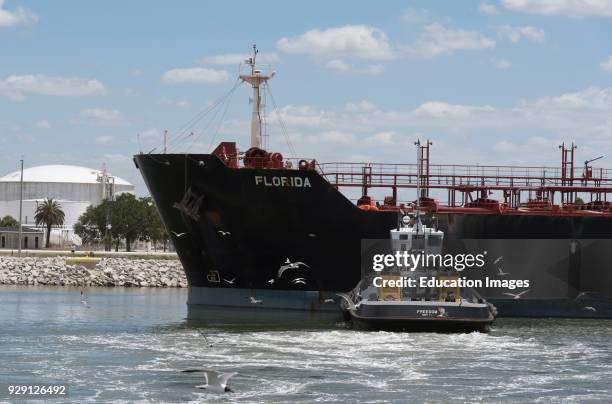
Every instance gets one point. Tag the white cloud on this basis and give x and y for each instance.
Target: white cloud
(42, 124)
(488, 8)
(439, 40)
(414, 16)
(356, 41)
(182, 104)
(515, 34)
(15, 87)
(606, 65)
(238, 58)
(115, 158)
(382, 138)
(333, 136)
(194, 75)
(338, 65)
(104, 139)
(17, 17)
(571, 8)
(502, 64)
(361, 106)
(341, 66)
(437, 109)
(102, 117)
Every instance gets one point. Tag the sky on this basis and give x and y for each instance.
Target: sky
(488, 82)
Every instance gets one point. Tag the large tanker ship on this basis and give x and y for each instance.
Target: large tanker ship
(255, 229)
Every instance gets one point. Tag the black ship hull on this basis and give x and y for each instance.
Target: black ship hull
(241, 225)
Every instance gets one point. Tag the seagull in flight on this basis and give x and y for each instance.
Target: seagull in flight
(290, 265)
(215, 381)
(301, 281)
(84, 300)
(501, 257)
(224, 233)
(255, 301)
(582, 294)
(517, 296)
(329, 301)
(501, 272)
(590, 308)
(348, 300)
(230, 282)
(205, 338)
(271, 281)
(178, 235)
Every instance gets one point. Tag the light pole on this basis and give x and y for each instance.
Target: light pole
(20, 205)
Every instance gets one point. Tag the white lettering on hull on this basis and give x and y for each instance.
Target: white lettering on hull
(274, 181)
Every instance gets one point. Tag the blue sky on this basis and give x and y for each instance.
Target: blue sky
(489, 82)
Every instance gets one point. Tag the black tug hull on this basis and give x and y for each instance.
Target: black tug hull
(245, 223)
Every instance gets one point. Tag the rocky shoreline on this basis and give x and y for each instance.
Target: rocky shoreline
(58, 271)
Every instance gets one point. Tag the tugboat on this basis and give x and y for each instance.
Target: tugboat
(381, 300)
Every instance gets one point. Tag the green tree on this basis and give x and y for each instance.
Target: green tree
(91, 224)
(127, 220)
(9, 221)
(49, 213)
(153, 230)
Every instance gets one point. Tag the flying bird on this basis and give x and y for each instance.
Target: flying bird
(582, 294)
(224, 233)
(329, 301)
(348, 300)
(230, 282)
(217, 382)
(255, 301)
(84, 300)
(590, 308)
(301, 281)
(501, 257)
(517, 296)
(205, 338)
(291, 265)
(179, 235)
(271, 281)
(501, 272)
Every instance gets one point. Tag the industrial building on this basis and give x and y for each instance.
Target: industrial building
(74, 187)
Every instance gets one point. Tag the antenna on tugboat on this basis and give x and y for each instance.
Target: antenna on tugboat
(255, 79)
(418, 188)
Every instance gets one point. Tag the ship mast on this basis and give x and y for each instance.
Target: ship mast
(255, 79)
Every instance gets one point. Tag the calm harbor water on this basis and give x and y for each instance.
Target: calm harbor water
(130, 345)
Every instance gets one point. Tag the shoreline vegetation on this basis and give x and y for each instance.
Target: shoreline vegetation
(82, 270)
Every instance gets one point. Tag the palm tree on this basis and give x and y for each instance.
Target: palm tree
(49, 213)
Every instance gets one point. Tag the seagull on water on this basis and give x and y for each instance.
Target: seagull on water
(290, 265)
(501, 272)
(255, 301)
(517, 296)
(178, 235)
(590, 308)
(230, 282)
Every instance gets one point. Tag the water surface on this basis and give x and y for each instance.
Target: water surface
(131, 344)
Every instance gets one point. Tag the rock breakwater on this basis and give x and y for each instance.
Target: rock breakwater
(106, 272)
